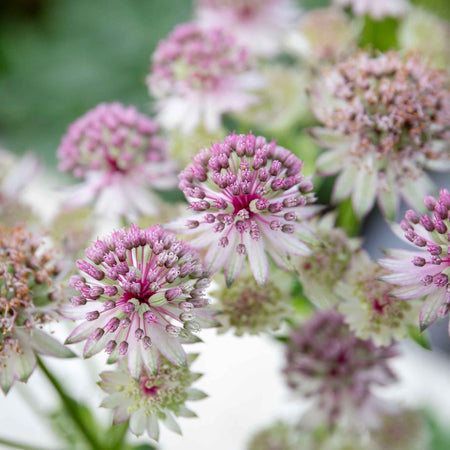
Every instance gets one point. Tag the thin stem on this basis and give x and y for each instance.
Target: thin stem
(70, 407)
(13, 444)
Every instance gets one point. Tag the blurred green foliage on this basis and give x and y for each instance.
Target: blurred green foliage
(71, 55)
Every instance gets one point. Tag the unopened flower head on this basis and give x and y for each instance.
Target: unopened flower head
(329, 364)
(249, 308)
(369, 307)
(309, 40)
(426, 271)
(320, 272)
(386, 118)
(143, 296)
(421, 31)
(249, 198)
(151, 398)
(199, 74)
(260, 25)
(29, 296)
(377, 9)
(121, 157)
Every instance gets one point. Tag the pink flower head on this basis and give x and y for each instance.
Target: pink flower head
(120, 155)
(249, 197)
(260, 25)
(426, 271)
(141, 286)
(197, 75)
(328, 363)
(386, 119)
(377, 9)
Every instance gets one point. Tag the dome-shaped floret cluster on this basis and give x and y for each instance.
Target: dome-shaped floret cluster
(426, 271)
(378, 9)
(198, 75)
(121, 155)
(29, 296)
(249, 308)
(369, 307)
(260, 25)
(249, 197)
(143, 295)
(320, 272)
(328, 363)
(153, 397)
(386, 118)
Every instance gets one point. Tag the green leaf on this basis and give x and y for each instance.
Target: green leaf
(419, 338)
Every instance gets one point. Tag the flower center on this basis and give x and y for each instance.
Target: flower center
(242, 202)
(148, 388)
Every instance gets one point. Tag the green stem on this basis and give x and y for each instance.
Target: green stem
(71, 407)
(13, 444)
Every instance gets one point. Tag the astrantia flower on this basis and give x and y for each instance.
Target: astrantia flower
(249, 308)
(15, 175)
(121, 157)
(426, 271)
(260, 25)
(309, 40)
(423, 32)
(141, 286)
(29, 296)
(377, 9)
(249, 197)
(151, 398)
(329, 364)
(368, 305)
(197, 75)
(320, 272)
(386, 119)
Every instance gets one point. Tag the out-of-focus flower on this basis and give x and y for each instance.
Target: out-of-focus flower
(423, 32)
(324, 34)
(15, 175)
(121, 157)
(368, 306)
(197, 75)
(282, 101)
(377, 9)
(29, 296)
(329, 364)
(249, 198)
(151, 398)
(249, 308)
(425, 272)
(280, 436)
(405, 429)
(183, 147)
(326, 266)
(386, 119)
(141, 285)
(259, 25)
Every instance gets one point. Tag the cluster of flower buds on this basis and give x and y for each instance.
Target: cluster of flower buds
(121, 156)
(426, 271)
(249, 197)
(329, 364)
(197, 75)
(386, 119)
(142, 295)
(29, 296)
